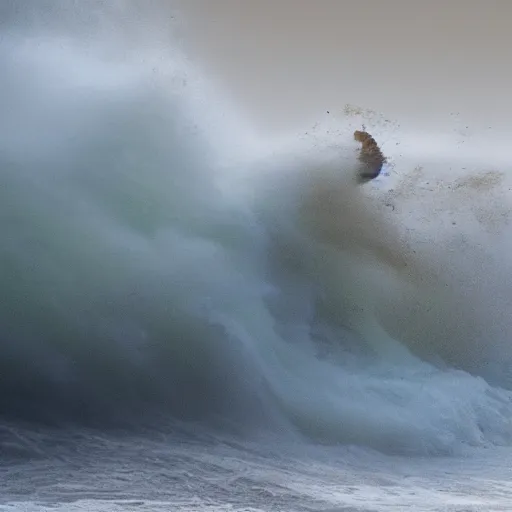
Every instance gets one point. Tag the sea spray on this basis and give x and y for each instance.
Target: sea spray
(155, 265)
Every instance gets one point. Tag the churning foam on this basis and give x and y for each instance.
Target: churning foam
(156, 256)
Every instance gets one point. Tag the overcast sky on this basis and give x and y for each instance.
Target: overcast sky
(288, 60)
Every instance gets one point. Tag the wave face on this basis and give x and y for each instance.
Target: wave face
(156, 262)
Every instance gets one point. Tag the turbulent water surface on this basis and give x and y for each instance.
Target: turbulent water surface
(196, 318)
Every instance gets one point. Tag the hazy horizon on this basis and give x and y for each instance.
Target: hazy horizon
(287, 62)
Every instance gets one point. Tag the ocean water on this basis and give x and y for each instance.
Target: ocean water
(199, 317)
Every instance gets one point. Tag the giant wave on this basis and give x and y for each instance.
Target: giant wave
(159, 262)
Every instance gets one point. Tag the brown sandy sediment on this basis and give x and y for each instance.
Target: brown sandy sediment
(341, 216)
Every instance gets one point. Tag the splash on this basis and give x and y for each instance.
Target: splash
(158, 261)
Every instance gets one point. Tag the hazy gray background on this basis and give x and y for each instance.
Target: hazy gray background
(290, 60)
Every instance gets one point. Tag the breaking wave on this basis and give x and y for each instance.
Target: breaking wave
(158, 260)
